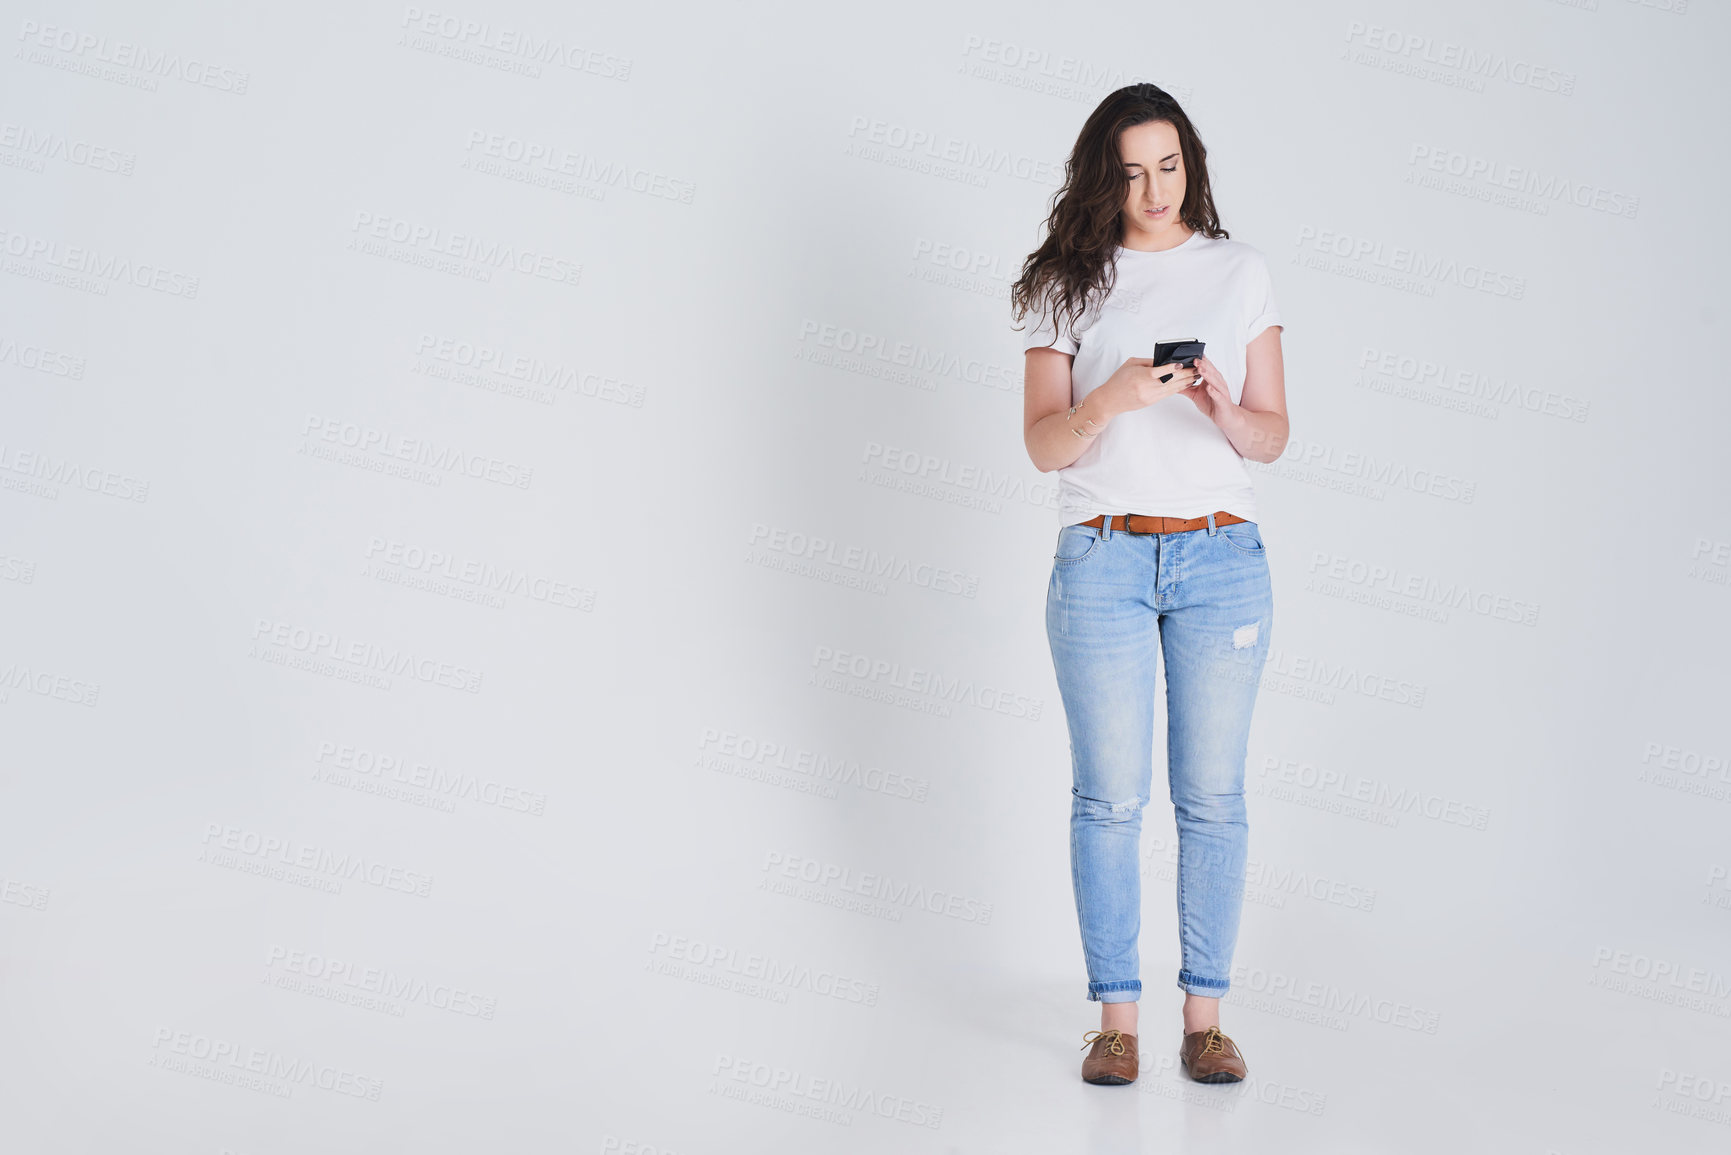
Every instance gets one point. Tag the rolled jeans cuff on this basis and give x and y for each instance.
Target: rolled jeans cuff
(1126, 991)
(1192, 984)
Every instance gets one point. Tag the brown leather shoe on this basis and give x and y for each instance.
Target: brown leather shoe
(1113, 1059)
(1210, 1057)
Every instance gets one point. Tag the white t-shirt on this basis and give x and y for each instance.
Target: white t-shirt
(1166, 459)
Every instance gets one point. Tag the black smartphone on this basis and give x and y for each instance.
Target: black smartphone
(1184, 352)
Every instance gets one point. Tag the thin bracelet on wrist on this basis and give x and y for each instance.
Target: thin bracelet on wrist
(1085, 421)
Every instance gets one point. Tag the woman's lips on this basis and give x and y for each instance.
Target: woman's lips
(1156, 212)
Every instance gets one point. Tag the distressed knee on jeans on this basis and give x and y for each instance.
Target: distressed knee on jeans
(1102, 810)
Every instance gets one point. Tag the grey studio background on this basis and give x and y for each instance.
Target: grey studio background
(523, 590)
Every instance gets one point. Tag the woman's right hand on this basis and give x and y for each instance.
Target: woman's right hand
(1136, 384)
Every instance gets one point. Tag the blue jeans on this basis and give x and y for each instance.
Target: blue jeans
(1116, 600)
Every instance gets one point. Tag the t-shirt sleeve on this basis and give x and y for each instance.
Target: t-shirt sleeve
(1260, 309)
(1042, 333)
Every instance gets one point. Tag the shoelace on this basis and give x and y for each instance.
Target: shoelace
(1114, 1040)
(1213, 1042)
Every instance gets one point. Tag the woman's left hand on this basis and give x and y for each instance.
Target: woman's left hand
(1210, 393)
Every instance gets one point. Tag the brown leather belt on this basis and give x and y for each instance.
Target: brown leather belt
(1148, 523)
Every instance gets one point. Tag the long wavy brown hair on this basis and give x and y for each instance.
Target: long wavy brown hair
(1074, 263)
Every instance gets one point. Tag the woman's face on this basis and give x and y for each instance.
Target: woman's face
(1156, 173)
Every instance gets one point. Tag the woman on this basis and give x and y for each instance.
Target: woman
(1159, 550)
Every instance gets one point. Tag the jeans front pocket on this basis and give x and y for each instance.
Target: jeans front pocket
(1243, 536)
(1075, 543)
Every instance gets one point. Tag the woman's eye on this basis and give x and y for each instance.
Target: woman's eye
(1174, 168)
